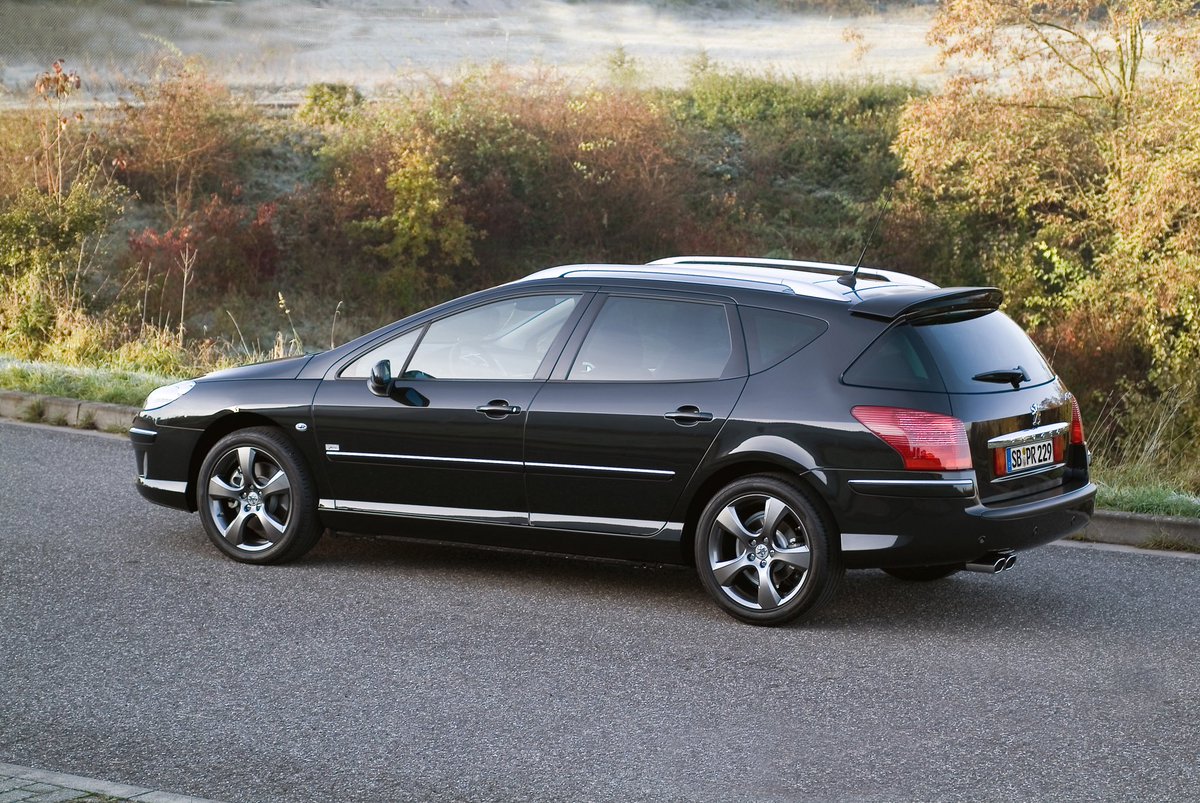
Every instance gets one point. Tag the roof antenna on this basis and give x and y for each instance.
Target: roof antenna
(851, 279)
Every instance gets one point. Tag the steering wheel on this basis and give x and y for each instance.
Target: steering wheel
(476, 356)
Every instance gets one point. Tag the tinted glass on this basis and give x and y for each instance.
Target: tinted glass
(395, 350)
(772, 335)
(946, 355)
(503, 340)
(898, 360)
(644, 339)
(991, 342)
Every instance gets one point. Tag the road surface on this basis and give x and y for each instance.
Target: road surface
(131, 650)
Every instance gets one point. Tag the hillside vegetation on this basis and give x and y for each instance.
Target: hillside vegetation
(185, 227)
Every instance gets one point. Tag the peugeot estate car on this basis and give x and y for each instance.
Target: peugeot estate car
(772, 423)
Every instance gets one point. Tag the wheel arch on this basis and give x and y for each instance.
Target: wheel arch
(216, 430)
(703, 489)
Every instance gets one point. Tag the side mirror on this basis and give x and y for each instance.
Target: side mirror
(380, 381)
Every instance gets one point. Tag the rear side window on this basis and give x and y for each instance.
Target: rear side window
(653, 339)
(948, 354)
(772, 335)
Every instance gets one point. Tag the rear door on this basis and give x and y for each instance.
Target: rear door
(630, 411)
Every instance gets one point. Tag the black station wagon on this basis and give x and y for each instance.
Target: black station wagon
(771, 422)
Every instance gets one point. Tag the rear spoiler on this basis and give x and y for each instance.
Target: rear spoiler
(921, 303)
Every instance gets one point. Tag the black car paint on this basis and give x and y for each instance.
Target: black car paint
(792, 417)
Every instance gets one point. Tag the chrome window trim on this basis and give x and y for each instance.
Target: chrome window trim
(1028, 435)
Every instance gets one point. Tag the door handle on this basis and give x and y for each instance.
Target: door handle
(498, 408)
(688, 415)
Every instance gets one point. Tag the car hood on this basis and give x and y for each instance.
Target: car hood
(286, 368)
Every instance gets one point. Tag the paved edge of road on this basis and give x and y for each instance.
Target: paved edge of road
(1107, 526)
(41, 786)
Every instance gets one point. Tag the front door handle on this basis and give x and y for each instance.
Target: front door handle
(688, 414)
(498, 408)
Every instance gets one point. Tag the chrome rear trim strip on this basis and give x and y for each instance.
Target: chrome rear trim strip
(960, 485)
(1020, 475)
(1028, 435)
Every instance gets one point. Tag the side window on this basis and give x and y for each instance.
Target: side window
(898, 360)
(772, 335)
(396, 350)
(502, 340)
(650, 339)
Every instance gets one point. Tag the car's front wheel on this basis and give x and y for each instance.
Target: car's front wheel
(256, 497)
(765, 553)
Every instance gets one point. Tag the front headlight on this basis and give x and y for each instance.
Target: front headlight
(160, 397)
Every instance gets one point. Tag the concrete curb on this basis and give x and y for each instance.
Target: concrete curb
(34, 407)
(1107, 526)
(1137, 529)
(28, 785)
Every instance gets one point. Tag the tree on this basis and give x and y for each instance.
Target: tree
(1064, 156)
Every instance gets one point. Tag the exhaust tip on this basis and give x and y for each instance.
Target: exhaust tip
(992, 563)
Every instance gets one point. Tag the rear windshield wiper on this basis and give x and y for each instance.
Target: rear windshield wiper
(1012, 375)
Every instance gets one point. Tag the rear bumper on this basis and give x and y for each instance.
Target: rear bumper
(917, 522)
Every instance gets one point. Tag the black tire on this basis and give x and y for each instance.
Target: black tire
(271, 518)
(799, 559)
(923, 574)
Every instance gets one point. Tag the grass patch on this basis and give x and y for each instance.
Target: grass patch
(1140, 486)
(85, 384)
(1151, 499)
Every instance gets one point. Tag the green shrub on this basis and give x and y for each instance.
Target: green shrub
(329, 104)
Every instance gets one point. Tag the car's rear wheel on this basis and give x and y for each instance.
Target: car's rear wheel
(923, 574)
(765, 553)
(256, 498)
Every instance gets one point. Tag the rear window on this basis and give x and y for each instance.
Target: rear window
(772, 335)
(943, 355)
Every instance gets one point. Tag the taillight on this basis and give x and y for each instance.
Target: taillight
(1076, 424)
(925, 441)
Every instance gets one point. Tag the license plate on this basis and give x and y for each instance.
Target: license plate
(1028, 456)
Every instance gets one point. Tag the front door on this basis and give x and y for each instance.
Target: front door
(446, 442)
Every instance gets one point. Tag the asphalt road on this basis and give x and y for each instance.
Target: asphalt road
(131, 650)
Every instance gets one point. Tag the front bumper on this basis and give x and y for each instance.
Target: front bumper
(161, 459)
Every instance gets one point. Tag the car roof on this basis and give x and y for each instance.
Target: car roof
(793, 277)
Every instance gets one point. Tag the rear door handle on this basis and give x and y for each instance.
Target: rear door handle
(498, 408)
(688, 414)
